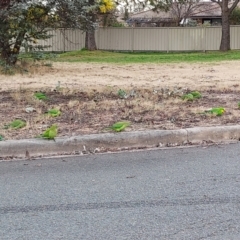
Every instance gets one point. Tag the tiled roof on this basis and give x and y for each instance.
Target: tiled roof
(205, 9)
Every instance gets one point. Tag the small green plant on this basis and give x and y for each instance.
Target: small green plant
(54, 112)
(219, 111)
(122, 93)
(238, 104)
(1, 138)
(119, 126)
(40, 96)
(192, 96)
(16, 124)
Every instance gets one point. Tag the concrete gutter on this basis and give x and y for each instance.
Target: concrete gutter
(116, 141)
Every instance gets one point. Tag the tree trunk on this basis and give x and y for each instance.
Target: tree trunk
(225, 40)
(90, 43)
(7, 56)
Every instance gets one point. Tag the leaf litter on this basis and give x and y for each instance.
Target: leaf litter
(93, 108)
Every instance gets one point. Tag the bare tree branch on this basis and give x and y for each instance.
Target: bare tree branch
(233, 5)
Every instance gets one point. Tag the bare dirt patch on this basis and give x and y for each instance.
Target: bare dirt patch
(87, 95)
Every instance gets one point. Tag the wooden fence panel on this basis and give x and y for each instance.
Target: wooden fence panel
(144, 39)
(212, 38)
(151, 39)
(235, 37)
(114, 39)
(185, 39)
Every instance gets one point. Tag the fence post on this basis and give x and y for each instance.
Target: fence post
(64, 48)
(132, 47)
(56, 32)
(98, 38)
(204, 39)
(168, 40)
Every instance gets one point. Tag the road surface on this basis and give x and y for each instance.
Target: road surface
(190, 193)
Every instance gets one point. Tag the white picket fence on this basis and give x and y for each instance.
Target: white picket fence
(144, 39)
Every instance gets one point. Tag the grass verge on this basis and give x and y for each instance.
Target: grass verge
(93, 111)
(147, 57)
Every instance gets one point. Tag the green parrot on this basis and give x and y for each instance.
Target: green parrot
(196, 94)
(54, 112)
(191, 96)
(216, 111)
(16, 124)
(40, 96)
(119, 126)
(50, 133)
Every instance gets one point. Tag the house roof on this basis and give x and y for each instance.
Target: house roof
(205, 9)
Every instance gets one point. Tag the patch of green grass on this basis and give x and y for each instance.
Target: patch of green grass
(147, 57)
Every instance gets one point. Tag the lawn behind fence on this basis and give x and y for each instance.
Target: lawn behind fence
(147, 57)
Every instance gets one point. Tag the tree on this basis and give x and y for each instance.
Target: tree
(23, 22)
(101, 7)
(227, 8)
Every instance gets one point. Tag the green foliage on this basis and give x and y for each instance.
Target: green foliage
(119, 126)
(50, 133)
(218, 111)
(40, 96)
(54, 112)
(235, 17)
(1, 138)
(117, 24)
(238, 104)
(23, 23)
(16, 124)
(192, 96)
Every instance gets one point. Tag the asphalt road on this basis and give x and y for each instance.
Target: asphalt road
(191, 193)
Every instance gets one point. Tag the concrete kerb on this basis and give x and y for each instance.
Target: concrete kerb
(214, 134)
(116, 141)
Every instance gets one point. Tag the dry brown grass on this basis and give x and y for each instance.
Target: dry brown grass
(87, 96)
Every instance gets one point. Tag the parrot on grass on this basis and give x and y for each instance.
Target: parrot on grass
(191, 96)
(216, 111)
(54, 112)
(40, 96)
(16, 124)
(119, 126)
(50, 133)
